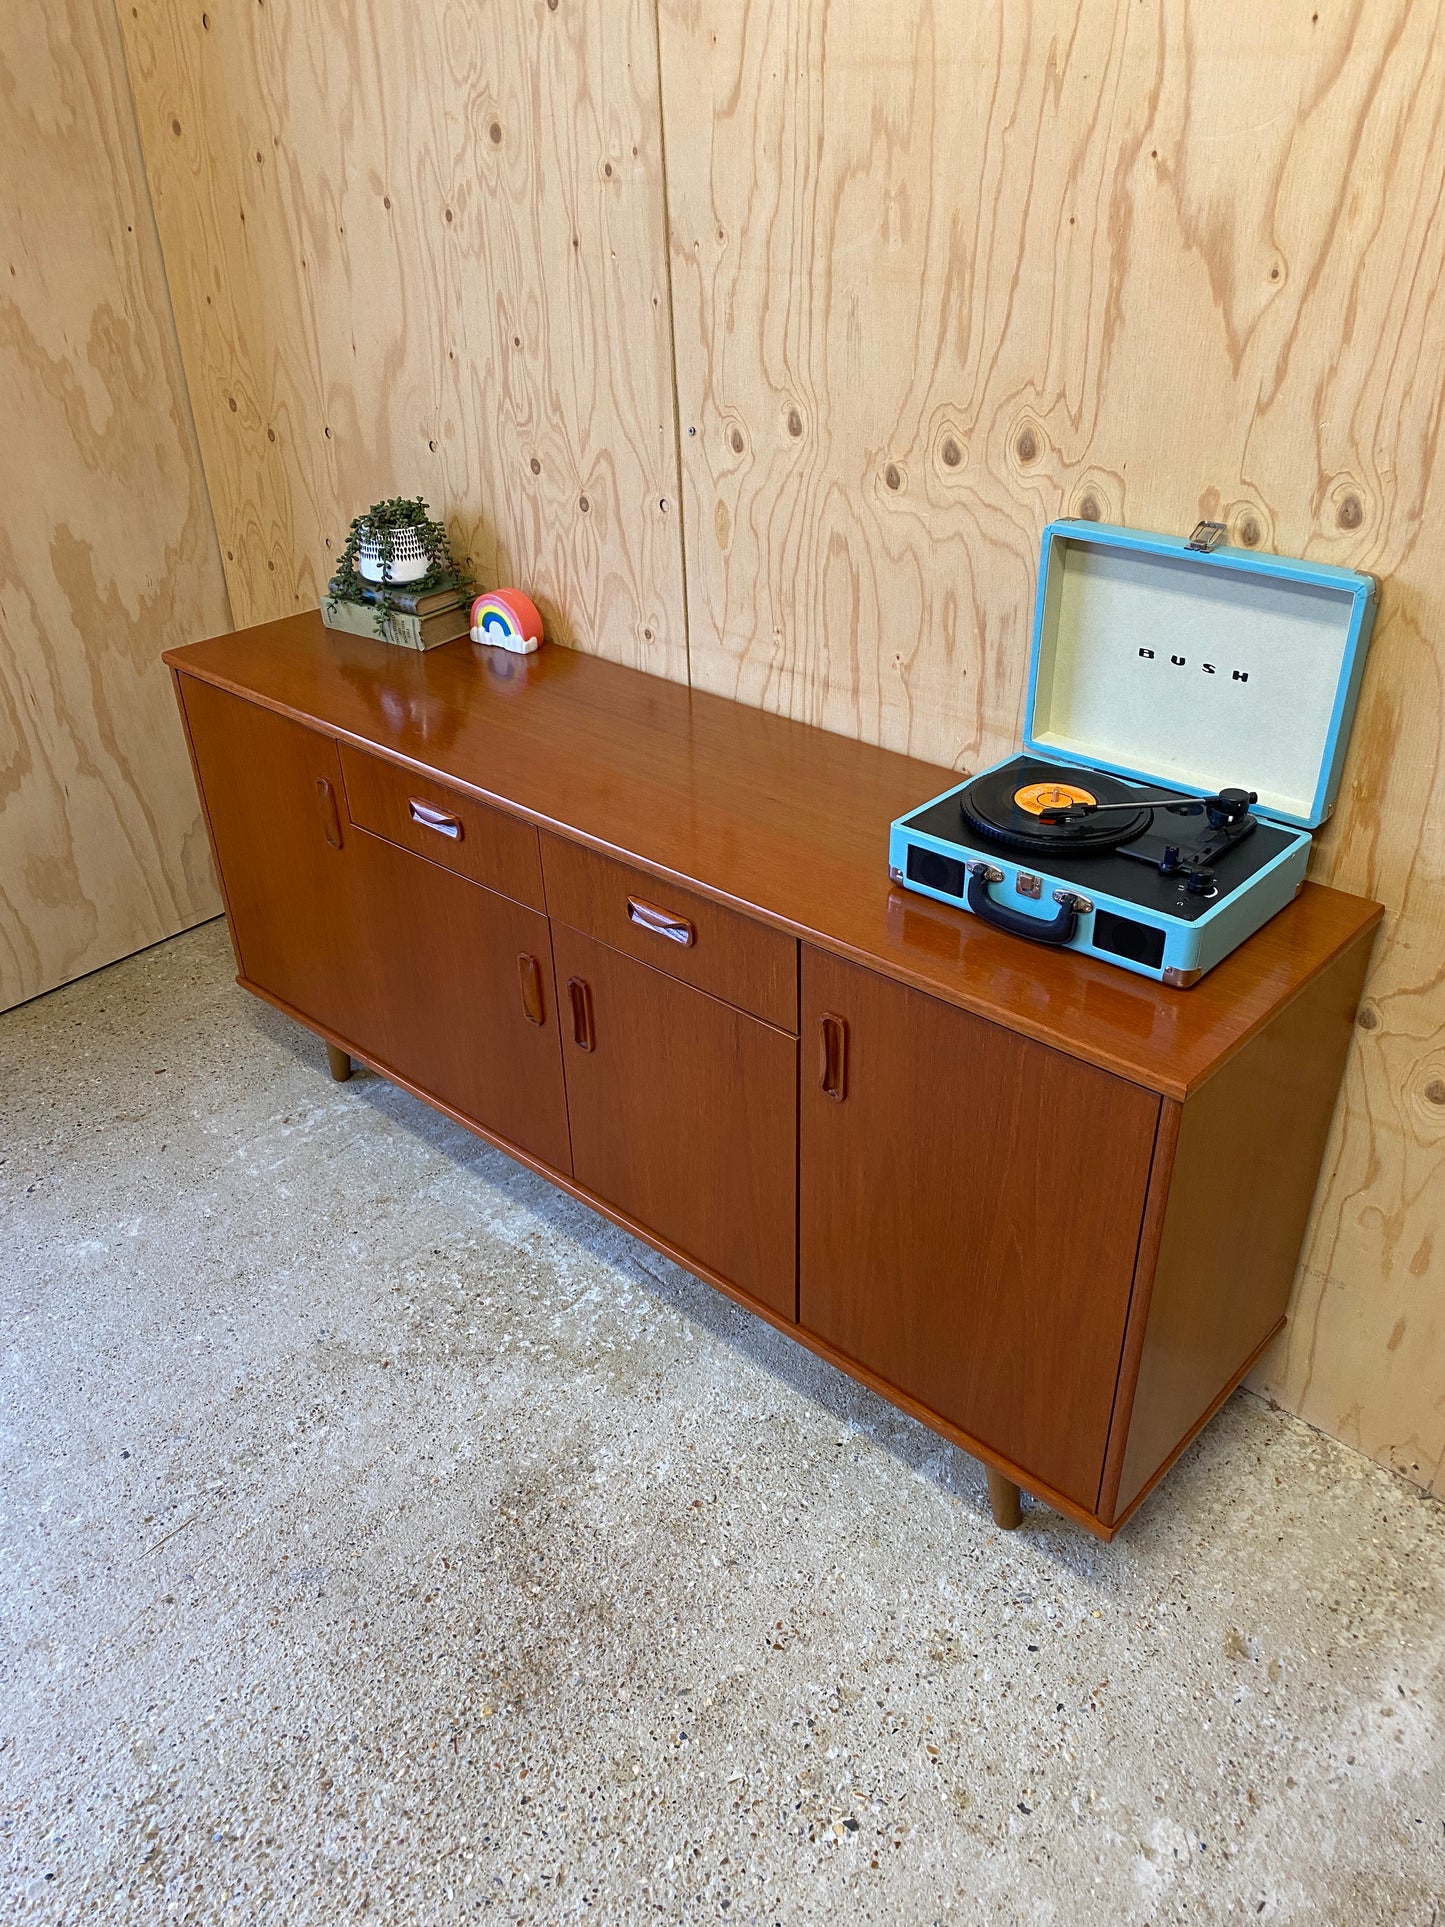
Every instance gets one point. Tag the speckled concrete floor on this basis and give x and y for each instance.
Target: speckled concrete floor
(387, 1538)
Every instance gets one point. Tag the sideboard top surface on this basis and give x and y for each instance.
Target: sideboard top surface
(779, 818)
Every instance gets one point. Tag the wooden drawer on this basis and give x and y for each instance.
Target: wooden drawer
(444, 826)
(745, 963)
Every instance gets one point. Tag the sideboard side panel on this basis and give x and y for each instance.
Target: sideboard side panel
(1251, 1142)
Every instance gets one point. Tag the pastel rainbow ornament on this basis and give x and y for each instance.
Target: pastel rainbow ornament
(506, 619)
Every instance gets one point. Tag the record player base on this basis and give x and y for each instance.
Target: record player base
(642, 940)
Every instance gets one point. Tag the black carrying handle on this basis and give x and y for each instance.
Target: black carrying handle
(1057, 929)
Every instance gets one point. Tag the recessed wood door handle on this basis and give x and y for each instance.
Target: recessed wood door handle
(662, 923)
(584, 1035)
(833, 1057)
(431, 818)
(330, 815)
(529, 971)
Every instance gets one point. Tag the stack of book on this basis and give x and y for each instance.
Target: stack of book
(400, 615)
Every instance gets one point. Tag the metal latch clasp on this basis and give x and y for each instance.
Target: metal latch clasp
(1207, 536)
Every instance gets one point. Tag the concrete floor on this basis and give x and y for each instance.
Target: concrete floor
(387, 1538)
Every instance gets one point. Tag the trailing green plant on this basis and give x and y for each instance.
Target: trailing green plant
(379, 526)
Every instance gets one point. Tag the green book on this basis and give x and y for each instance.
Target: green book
(396, 625)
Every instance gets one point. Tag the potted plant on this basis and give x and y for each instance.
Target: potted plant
(398, 542)
(397, 564)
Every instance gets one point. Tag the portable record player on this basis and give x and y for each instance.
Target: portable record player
(1187, 716)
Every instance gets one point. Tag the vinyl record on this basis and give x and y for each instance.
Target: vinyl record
(1006, 806)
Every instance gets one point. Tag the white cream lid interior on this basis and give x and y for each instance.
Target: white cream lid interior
(1192, 672)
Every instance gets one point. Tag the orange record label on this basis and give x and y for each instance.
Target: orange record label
(1038, 797)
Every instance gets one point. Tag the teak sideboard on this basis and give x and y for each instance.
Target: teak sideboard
(645, 941)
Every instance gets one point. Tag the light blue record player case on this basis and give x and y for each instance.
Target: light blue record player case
(1194, 669)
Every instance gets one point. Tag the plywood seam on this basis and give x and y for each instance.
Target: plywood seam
(175, 334)
(678, 492)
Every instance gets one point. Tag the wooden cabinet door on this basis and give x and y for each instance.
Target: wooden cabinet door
(683, 1114)
(274, 801)
(466, 1004)
(970, 1210)
(436, 978)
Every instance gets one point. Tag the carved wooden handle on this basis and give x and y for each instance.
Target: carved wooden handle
(584, 1035)
(330, 815)
(529, 971)
(833, 1057)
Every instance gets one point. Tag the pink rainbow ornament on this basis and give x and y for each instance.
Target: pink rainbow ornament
(506, 619)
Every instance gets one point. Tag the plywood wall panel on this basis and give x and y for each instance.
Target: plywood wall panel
(420, 250)
(107, 550)
(942, 273)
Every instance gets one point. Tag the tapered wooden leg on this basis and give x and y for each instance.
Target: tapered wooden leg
(1003, 1497)
(340, 1063)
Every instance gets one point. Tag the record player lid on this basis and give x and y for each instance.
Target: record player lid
(1197, 669)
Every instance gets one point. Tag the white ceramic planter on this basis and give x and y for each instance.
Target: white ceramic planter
(409, 560)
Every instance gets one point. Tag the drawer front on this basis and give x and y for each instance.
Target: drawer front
(747, 964)
(444, 826)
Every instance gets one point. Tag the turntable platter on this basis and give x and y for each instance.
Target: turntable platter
(1007, 806)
